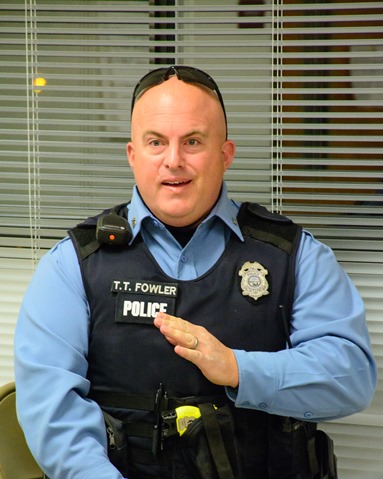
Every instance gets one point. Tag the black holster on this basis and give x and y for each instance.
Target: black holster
(208, 449)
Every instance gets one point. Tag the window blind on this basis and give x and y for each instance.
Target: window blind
(328, 163)
(303, 88)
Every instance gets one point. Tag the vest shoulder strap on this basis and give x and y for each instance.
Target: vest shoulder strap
(84, 235)
(259, 223)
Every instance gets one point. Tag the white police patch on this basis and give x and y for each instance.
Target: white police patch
(254, 282)
(138, 301)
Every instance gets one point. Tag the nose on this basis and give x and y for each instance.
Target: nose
(174, 159)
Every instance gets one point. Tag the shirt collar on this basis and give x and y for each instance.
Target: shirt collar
(225, 209)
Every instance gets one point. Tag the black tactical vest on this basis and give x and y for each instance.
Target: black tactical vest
(245, 300)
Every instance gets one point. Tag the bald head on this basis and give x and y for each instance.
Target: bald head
(174, 100)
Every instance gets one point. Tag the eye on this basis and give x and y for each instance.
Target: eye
(192, 142)
(155, 143)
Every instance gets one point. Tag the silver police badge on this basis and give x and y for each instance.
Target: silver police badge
(254, 282)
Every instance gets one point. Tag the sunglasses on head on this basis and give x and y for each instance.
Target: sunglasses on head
(184, 73)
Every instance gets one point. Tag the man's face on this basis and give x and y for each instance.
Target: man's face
(178, 151)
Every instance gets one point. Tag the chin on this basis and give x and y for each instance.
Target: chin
(178, 220)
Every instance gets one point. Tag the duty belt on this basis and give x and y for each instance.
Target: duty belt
(172, 415)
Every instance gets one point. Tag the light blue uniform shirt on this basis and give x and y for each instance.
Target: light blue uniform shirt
(329, 373)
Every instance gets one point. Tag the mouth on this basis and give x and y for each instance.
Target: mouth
(177, 183)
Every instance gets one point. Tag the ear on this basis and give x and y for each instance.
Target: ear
(130, 154)
(228, 153)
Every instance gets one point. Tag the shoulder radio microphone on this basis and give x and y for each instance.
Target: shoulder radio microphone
(113, 229)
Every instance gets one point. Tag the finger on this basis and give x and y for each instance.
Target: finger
(176, 336)
(166, 322)
(176, 330)
(192, 355)
(171, 321)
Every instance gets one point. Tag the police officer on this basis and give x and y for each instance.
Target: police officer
(179, 334)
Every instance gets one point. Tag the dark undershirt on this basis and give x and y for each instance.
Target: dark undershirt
(182, 234)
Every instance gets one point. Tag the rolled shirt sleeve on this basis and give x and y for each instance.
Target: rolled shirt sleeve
(330, 371)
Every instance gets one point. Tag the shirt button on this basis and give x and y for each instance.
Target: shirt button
(184, 258)
(262, 405)
(308, 415)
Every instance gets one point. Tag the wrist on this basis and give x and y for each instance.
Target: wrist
(234, 381)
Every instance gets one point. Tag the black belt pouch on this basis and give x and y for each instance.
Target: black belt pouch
(297, 450)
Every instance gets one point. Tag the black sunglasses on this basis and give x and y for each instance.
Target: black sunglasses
(184, 73)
